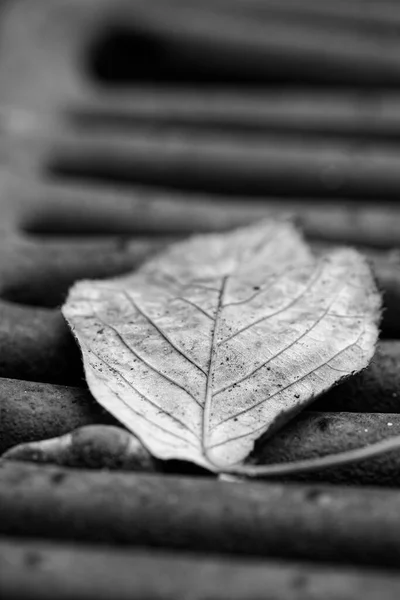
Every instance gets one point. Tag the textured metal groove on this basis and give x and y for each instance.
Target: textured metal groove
(36, 570)
(196, 514)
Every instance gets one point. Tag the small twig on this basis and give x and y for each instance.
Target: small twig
(315, 464)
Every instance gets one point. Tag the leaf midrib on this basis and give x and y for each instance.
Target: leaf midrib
(209, 384)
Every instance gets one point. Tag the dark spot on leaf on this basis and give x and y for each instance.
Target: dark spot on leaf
(256, 287)
(297, 395)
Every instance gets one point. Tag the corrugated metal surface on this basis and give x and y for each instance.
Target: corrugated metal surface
(124, 125)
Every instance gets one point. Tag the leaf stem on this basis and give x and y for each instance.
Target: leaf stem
(315, 464)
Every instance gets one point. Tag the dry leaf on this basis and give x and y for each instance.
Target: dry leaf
(88, 447)
(222, 338)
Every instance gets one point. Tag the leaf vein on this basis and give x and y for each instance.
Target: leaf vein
(182, 299)
(213, 352)
(144, 361)
(291, 383)
(162, 333)
(312, 281)
(285, 349)
(103, 360)
(278, 276)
